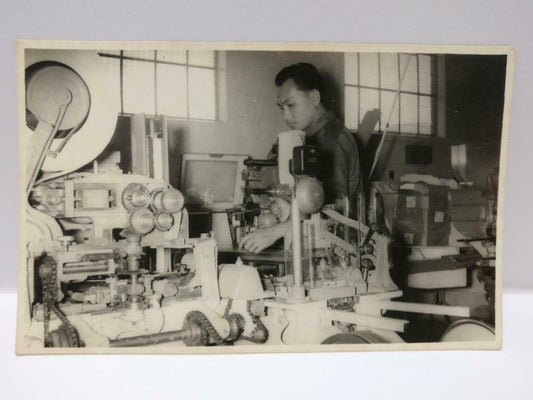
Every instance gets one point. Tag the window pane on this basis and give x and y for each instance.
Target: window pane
(139, 93)
(425, 115)
(171, 90)
(144, 54)
(350, 68)
(351, 107)
(203, 58)
(424, 70)
(202, 93)
(177, 56)
(369, 101)
(408, 113)
(389, 70)
(387, 98)
(410, 82)
(368, 63)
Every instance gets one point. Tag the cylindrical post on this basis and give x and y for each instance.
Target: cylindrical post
(310, 254)
(296, 243)
(346, 210)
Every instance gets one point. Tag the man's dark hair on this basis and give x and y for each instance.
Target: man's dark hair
(304, 75)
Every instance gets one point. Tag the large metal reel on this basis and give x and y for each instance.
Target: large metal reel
(50, 85)
(93, 131)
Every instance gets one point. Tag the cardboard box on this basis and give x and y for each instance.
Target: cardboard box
(422, 215)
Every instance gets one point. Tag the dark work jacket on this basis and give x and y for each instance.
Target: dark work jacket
(340, 170)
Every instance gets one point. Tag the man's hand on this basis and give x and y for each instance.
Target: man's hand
(262, 238)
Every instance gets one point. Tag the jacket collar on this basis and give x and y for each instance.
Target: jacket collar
(319, 123)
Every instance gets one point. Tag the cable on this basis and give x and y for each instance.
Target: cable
(380, 147)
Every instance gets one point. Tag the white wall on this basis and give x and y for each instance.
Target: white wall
(253, 118)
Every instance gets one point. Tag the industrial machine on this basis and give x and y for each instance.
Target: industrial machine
(109, 261)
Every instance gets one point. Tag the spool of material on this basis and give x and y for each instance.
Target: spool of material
(103, 81)
(287, 141)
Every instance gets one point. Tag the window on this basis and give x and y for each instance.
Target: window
(175, 83)
(372, 81)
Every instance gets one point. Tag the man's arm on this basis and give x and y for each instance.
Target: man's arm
(262, 238)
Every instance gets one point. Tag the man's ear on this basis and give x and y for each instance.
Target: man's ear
(315, 96)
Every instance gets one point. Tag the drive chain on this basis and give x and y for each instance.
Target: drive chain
(260, 332)
(48, 274)
(200, 318)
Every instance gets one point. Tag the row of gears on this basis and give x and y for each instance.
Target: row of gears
(163, 202)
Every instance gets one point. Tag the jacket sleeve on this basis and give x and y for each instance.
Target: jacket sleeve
(346, 169)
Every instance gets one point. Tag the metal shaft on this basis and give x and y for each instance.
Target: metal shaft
(148, 340)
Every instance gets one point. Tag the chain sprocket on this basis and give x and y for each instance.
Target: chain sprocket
(209, 333)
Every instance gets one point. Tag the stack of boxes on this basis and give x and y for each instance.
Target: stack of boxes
(422, 215)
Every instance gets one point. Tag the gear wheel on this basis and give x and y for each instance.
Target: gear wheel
(163, 221)
(169, 200)
(141, 221)
(135, 196)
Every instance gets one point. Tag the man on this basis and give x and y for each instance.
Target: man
(301, 99)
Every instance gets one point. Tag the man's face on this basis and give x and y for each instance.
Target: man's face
(299, 107)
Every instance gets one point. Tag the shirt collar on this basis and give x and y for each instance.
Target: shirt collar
(319, 123)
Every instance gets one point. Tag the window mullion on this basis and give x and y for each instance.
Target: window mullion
(418, 95)
(121, 81)
(380, 128)
(358, 92)
(187, 83)
(215, 72)
(155, 81)
(399, 96)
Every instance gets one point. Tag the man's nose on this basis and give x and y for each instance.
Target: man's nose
(287, 116)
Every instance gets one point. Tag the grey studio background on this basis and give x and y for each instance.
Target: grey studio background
(407, 375)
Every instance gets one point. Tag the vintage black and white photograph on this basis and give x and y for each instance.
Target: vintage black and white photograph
(243, 198)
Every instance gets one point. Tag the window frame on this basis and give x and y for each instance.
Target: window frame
(155, 61)
(436, 84)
